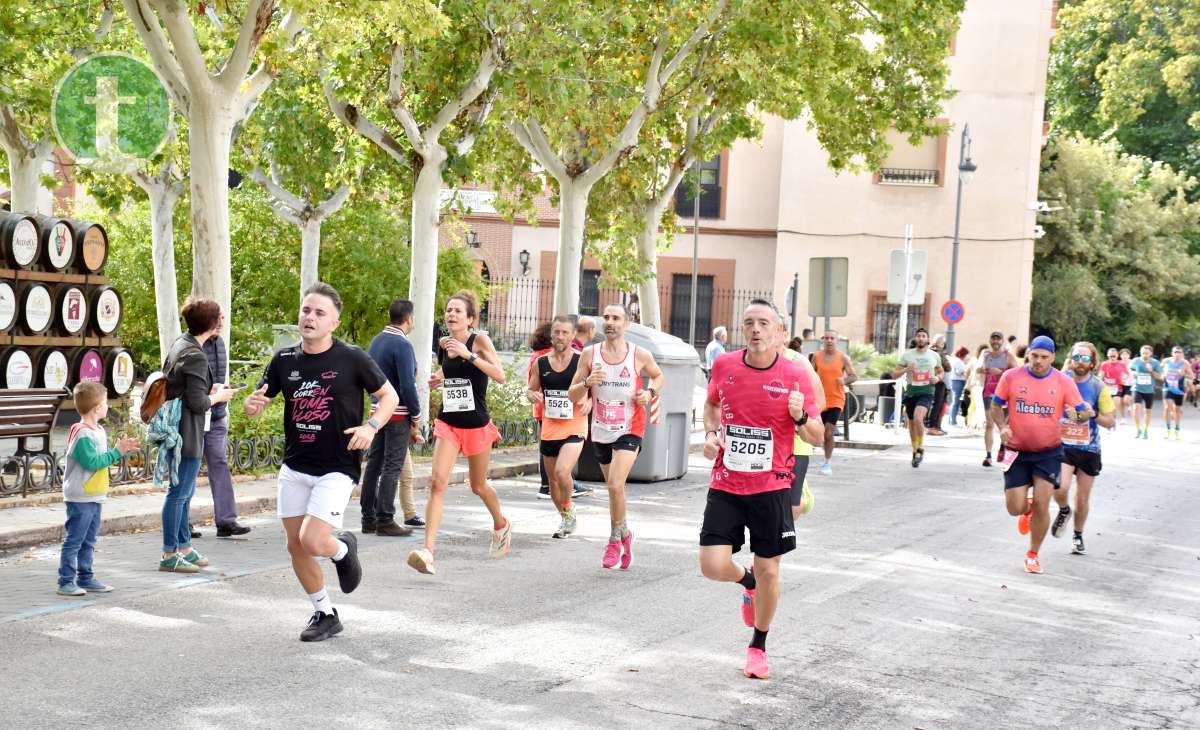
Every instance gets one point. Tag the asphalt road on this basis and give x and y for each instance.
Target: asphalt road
(906, 606)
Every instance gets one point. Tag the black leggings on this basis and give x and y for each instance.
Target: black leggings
(799, 469)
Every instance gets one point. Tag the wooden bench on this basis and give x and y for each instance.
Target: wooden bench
(26, 414)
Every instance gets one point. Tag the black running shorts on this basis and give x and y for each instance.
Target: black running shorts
(626, 442)
(1146, 399)
(830, 416)
(1176, 398)
(1085, 461)
(550, 449)
(768, 515)
(912, 402)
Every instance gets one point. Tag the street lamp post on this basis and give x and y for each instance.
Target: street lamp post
(966, 166)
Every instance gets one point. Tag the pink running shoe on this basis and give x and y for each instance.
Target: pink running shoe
(627, 550)
(756, 664)
(612, 555)
(748, 608)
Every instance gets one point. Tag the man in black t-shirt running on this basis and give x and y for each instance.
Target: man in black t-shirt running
(322, 381)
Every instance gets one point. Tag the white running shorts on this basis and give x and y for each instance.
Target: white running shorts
(324, 497)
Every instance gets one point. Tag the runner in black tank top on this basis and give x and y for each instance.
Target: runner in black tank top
(463, 426)
(564, 422)
(460, 374)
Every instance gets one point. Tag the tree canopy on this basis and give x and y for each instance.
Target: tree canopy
(1129, 70)
(1115, 264)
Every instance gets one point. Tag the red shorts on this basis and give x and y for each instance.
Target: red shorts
(470, 441)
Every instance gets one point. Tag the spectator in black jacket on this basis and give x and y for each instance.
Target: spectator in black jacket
(188, 379)
(394, 354)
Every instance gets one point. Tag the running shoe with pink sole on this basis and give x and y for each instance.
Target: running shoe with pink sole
(627, 550)
(748, 608)
(612, 554)
(756, 664)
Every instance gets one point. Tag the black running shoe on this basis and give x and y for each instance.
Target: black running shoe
(1060, 521)
(349, 570)
(415, 522)
(544, 492)
(987, 460)
(1077, 547)
(918, 455)
(580, 491)
(321, 626)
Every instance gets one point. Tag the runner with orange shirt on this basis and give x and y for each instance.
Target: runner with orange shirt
(836, 373)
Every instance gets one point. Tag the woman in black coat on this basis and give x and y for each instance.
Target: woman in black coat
(188, 379)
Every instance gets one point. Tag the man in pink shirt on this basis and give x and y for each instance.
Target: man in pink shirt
(758, 402)
(1037, 398)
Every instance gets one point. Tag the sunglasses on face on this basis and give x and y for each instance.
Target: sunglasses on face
(1081, 358)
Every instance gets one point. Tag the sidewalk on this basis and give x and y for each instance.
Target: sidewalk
(39, 518)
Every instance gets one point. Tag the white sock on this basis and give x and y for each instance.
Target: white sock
(320, 601)
(342, 549)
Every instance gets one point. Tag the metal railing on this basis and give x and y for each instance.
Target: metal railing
(907, 176)
(23, 474)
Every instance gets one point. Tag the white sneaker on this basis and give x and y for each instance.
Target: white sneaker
(501, 540)
(827, 469)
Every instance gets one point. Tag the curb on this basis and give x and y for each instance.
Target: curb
(201, 514)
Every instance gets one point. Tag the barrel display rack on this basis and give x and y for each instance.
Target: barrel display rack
(59, 316)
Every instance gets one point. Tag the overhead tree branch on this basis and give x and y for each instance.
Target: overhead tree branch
(145, 22)
(349, 115)
(529, 134)
(254, 26)
(395, 100)
(186, 48)
(488, 63)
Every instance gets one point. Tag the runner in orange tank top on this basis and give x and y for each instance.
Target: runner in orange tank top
(836, 373)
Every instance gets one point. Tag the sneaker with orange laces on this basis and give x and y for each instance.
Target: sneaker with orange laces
(756, 664)
(1032, 563)
(1023, 520)
(627, 550)
(612, 555)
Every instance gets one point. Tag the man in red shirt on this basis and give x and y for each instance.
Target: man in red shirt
(757, 402)
(1114, 372)
(1037, 398)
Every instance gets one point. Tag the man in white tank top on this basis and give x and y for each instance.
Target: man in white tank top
(612, 372)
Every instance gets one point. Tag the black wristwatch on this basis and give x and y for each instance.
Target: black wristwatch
(801, 420)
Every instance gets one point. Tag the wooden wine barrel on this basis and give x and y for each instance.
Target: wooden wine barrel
(86, 365)
(36, 308)
(57, 243)
(8, 306)
(70, 310)
(16, 368)
(118, 372)
(107, 309)
(92, 243)
(51, 369)
(20, 238)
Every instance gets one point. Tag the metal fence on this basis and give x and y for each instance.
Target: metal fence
(517, 305)
(23, 474)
